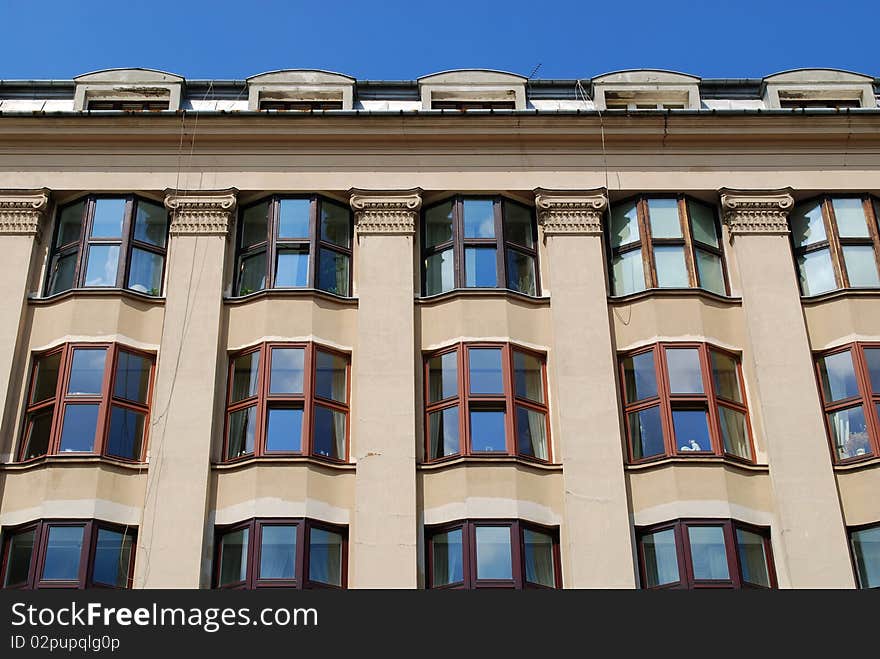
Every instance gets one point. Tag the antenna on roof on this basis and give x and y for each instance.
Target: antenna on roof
(535, 70)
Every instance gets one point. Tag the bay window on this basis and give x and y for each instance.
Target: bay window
(287, 399)
(67, 554)
(281, 553)
(836, 243)
(479, 242)
(103, 241)
(88, 398)
(493, 554)
(849, 386)
(294, 242)
(684, 399)
(486, 399)
(705, 553)
(665, 242)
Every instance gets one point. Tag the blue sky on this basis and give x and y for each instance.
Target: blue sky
(393, 40)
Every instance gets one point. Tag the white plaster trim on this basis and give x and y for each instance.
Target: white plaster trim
(275, 507)
(702, 508)
(849, 338)
(488, 508)
(98, 338)
(682, 338)
(102, 509)
(292, 339)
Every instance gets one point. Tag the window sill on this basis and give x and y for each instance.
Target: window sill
(858, 464)
(810, 300)
(95, 292)
(57, 460)
(674, 292)
(291, 459)
(289, 293)
(481, 460)
(482, 293)
(703, 460)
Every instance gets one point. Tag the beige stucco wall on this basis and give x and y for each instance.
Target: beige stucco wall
(840, 320)
(858, 494)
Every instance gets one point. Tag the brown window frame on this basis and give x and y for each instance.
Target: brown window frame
(668, 401)
(127, 243)
(303, 536)
(867, 398)
(458, 243)
(685, 561)
(106, 400)
(646, 243)
(835, 244)
(129, 106)
(85, 577)
(464, 400)
(464, 106)
(274, 242)
(857, 574)
(469, 554)
(299, 106)
(308, 401)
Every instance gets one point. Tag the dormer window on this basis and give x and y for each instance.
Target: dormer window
(646, 90)
(818, 88)
(128, 90)
(300, 91)
(473, 89)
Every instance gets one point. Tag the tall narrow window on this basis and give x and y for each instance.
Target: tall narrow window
(294, 242)
(865, 545)
(479, 242)
(88, 399)
(849, 383)
(493, 554)
(686, 400)
(705, 553)
(486, 399)
(281, 553)
(67, 554)
(109, 242)
(665, 242)
(836, 243)
(288, 399)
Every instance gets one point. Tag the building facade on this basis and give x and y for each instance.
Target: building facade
(472, 330)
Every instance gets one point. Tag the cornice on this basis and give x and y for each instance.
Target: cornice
(200, 212)
(756, 211)
(389, 212)
(22, 210)
(571, 212)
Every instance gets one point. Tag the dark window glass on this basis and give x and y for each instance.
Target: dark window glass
(18, 560)
(112, 558)
(126, 434)
(284, 430)
(79, 427)
(233, 556)
(63, 553)
(278, 552)
(866, 551)
(87, 371)
(132, 376)
(485, 371)
(447, 558)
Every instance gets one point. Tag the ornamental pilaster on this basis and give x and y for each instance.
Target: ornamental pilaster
(571, 212)
(200, 212)
(389, 212)
(756, 211)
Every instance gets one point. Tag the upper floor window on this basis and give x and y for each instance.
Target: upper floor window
(300, 106)
(67, 554)
(288, 399)
(473, 105)
(486, 399)
(294, 242)
(849, 383)
(88, 398)
(109, 242)
(836, 243)
(665, 242)
(865, 543)
(129, 106)
(684, 399)
(479, 242)
(705, 553)
(287, 553)
(493, 554)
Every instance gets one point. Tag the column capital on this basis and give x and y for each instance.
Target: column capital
(387, 212)
(756, 211)
(200, 212)
(22, 210)
(571, 212)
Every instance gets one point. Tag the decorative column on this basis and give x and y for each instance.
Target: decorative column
(811, 540)
(385, 526)
(596, 535)
(21, 212)
(183, 422)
